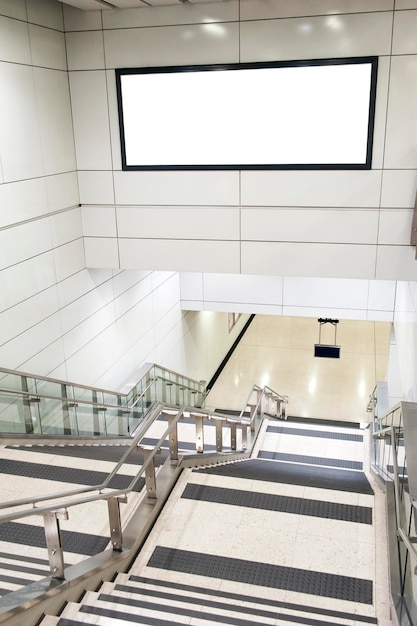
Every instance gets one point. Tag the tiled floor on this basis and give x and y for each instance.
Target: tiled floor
(279, 352)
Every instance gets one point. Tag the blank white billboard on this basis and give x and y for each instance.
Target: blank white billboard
(294, 115)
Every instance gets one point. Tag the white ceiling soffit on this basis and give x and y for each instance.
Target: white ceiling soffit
(99, 5)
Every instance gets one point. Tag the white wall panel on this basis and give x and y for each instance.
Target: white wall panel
(328, 225)
(316, 37)
(96, 187)
(326, 293)
(99, 221)
(396, 263)
(258, 9)
(50, 360)
(31, 342)
(13, 8)
(159, 278)
(380, 118)
(136, 300)
(406, 4)
(47, 47)
(81, 283)
(45, 13)
(54, 120)
(28, 313)
(178, 223)
(92, 326)
(309, 259)
(62, 191)
(399, 188)
(125, 281)
(243, 289)
(113, 120)
(381, 295)
(211, 256)
(14, 41)
(22, 281)
(65, 227)
(91, 126)
(311, 188)
(177, 188)
(401, 140)
(24, 241)
(172, 15)
(75, 19)
(101, 252)
(20, 140)
(69, 259)
(191, 286)
(85, 50)
(395, 226)
(172, 45)
(404, 40)
(332, 312)
(22, 201)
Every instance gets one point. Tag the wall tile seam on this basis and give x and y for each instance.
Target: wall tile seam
(290, 304)
(34, 66)
(30, 328)
(30, 23)
(39, 217)
(38, 254)
(237, 20)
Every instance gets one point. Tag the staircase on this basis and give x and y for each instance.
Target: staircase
(294, 535)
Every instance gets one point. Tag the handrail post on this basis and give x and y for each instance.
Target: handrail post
(115, 523)
(219, 435)
(199, 433)
(233, 435)
(149, 473)
(27, 412)
(173, 438)
(259, 393)
(244, 437)
(53, 541)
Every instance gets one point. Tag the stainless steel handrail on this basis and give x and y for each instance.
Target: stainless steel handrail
(54, 505)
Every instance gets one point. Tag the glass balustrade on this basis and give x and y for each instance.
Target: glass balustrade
(390, 461)
(43, 406)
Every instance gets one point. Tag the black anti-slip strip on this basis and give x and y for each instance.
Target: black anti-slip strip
(239, 598)
(182, 445)
(294, 474)
(282, 504)
(310, 460)
(126, 617)
(15, 581)
(305, 432)
(71, 622)
(24, 569)
(112, 454)
(71, 475)
(26, 534)
(212, 617)
(263, 574)
(24, 558)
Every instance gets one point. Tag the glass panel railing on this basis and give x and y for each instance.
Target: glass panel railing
(393, 435)
(44, 406)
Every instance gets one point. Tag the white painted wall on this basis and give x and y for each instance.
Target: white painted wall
(314, 224)
(58, 317)
(89, 292)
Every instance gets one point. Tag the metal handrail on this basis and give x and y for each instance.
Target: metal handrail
(142, 372)
(29, 395)
(34, 499)
(125, 541)
(156, 411)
